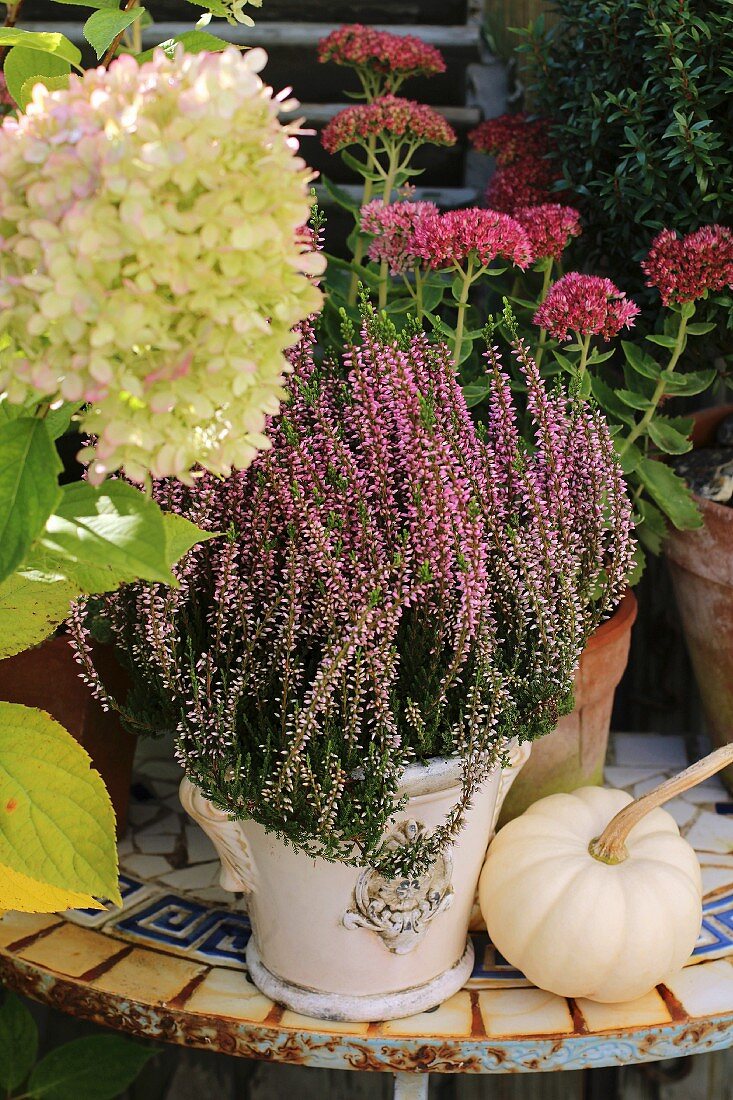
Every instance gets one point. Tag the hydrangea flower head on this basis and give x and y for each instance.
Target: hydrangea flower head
(393, 229)
(585, 304)
(391, 115)
(451, 239)
(391, 55)
(151, 262)
(685, 268)
(550, 228)
(509, 138)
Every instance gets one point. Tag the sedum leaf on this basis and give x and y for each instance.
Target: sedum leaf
(670, 493)
(57, 825)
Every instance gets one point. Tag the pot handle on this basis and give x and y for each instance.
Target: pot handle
(238, 871)
(518, 757)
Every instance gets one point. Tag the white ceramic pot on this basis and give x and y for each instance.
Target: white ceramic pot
(344, 943)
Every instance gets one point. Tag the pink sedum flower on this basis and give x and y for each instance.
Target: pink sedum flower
(151, 261)
(393, 229)
(685, 269)
(585, 304)
(550, 228)
(509, 138)
(451, 239)
(391, 55)
(526, 182)
(391, 115)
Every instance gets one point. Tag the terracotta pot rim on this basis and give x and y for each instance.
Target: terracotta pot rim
(622, 620)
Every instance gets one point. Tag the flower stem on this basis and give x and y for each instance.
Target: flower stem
(583, 364)
(383, 283)
(462, 305)
(610, 846)
(110, 54)
(366, 196)
(659, 389)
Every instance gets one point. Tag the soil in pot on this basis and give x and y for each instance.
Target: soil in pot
(701, 566)
(573, 754)
(48, 677)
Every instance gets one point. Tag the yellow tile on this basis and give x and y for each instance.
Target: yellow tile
(71, 950)
(524, 1012)
(309, 1023)
(451, 1018)
(229, 993)
(704, 990)
(16, 926)
(148, 976)
(645, 1011)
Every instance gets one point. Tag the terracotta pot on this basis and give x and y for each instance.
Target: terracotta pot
(701, 565)
(48, 677)
(573, 754)
(345, 943)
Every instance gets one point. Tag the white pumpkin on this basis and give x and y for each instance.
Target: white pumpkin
(581, 927)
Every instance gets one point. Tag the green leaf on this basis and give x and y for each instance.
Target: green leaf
(641, 362)
(58, 420)
(671, 494)
(343, 198)
(701, 328)
(32, 604)
(666, 436)
(181, 535)
(111, 4)
(652, 530)
(43, 41)
(18, 1042)
(475, 392)
(107, 536)
(101, 29)
(192, 42)
(53, 83)
(663, 341)
(56, 820)
(29, 468)
(633, 400)
(606, 397)
(25, 68)
(687, 385)
(630, 459)
(98, 1067)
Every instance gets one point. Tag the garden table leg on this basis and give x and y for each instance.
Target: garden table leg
(411, 1086)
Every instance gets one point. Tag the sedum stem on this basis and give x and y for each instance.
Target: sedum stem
(610, 846)
(659, 389)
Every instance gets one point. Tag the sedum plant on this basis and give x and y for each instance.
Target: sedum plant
(146, 296)
(394, 584)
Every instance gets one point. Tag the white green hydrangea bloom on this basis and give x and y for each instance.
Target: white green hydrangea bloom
(152, 258)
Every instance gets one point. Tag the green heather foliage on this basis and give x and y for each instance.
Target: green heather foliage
(641, 97)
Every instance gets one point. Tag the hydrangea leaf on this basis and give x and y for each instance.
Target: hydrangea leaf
(43, 42)
(25, 68)
(107, 536)
(57, 825)
(27, 895)
(29, 491)
(97, 1067)
(32, 604)
(18, 1043)
(181, 535)
(101, 28)
(192, 42)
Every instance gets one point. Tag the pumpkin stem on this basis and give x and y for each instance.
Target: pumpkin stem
(610, 846)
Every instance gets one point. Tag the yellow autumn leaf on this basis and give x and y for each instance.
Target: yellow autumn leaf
(26, 895)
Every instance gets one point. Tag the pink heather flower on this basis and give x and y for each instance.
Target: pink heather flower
(586, 304)
(550, 228)
(528, 181)
(685, 269)
(402, 56)
(509, 138)
(393, 229)
(390, 114)
(446, 240)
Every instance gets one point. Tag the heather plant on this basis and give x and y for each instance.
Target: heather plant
(393, 584)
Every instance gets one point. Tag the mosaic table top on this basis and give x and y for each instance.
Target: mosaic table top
(170, 963)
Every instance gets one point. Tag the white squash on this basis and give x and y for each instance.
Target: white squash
(585, 908)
